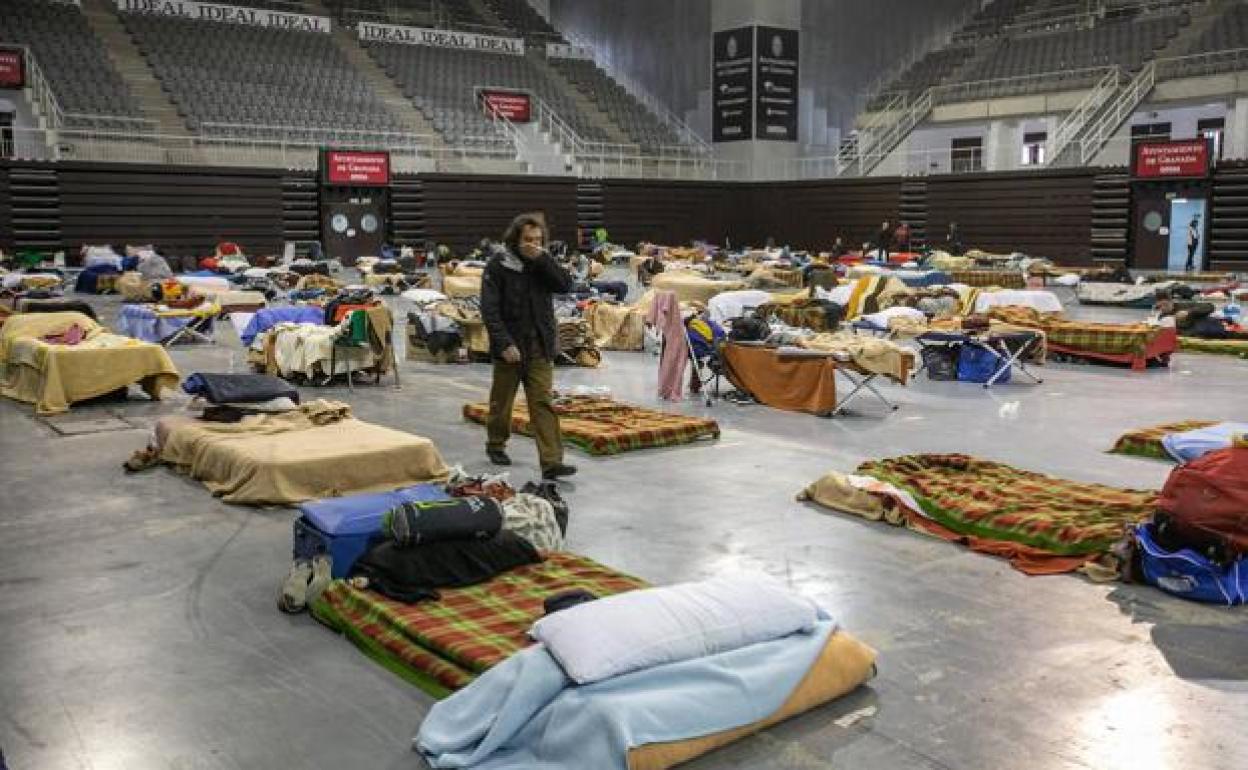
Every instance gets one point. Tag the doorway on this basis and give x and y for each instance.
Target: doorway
(353, 223)
(1186, 215)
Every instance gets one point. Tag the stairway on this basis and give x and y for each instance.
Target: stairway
(35, 197)
(890, 135)
(1228, 236)
(1111, 217)
(155, 104)
(584, 105)
(1116, 110)
(590, 214)
(1203, 17)
(407, 211)
(1066, 145)
(913, 211)
(301, 214)
(399, 105)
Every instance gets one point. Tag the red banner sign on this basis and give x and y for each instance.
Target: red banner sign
(1183, 159)
(512, 105)
(344, 167)
(12, 74)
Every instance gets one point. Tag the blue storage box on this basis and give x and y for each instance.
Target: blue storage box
(345, 527)
(1187, 574)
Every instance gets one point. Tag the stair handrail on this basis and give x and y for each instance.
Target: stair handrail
(1127, 101)
(914, 113)
(289, 133)
(40, 89)
(1082, 115)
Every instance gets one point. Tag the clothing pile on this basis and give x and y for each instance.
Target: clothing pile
(409, 544)
(231, 397)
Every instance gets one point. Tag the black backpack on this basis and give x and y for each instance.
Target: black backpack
(749, 329)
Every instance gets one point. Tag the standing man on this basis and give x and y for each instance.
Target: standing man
(519, 314)
(1193, 242)
(884, 239)
(901, 238)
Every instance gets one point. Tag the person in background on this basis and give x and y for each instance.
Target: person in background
(1193, 242)
(953, 241)
(901, 238)
(883, 240)
(517, 307)
(1196, 319)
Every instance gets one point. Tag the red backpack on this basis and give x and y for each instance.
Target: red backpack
(1207, 500)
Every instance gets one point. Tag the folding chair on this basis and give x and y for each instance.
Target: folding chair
(199, 329)
(357, 338)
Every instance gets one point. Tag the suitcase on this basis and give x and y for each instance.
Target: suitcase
(346, 527)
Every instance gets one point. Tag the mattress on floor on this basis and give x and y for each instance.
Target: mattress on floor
(1146, 442)
(1043, 524)
(1004, 279)
(287, 458)
(693, 287)
(603, 426)
(1217, 347)
(441, 646)
(53, 376)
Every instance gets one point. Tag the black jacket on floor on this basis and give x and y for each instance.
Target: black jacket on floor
(516, 303)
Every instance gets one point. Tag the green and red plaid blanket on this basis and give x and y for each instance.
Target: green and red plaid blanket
(1113, 339)
(602, 426)
(998, 502)
(441, 646)
(797, 314)
(1146, 442)
(1218, 347)
(1006, 279)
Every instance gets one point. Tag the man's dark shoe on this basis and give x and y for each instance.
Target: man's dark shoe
(558, 471)
(498, 457)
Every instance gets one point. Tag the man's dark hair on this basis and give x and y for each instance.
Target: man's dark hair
(511, 238)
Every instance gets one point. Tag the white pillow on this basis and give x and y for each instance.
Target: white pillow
(838, 294)
(646, 628)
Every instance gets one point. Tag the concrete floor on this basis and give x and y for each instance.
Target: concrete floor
(138, 626)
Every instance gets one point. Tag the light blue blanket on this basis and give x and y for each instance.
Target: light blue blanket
(525, 712)
(1190, 444)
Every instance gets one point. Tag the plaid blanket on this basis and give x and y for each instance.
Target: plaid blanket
(441, 646)
(1146, 442)
(603, 426)
(997, 502)
(1219, 347)
(799, 313)
(1114, 339)
(1005, 279)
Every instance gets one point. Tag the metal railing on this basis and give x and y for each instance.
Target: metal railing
(1130, 97)
(913, 114)
(1208, 63)
(1075, 122)
(1061, 80)
(40, 89)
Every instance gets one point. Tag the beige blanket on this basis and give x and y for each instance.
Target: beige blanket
(52, 376)
(868, 354)
(288, 458)
(616, 327)
(692, 287)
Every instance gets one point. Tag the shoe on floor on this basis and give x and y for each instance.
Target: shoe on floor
(322, 565)
(559, 471)
(294, 596)
(498, 457)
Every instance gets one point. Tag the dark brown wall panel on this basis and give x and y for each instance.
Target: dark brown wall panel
(461, 210)
(675, 212)
(810, 215)
(1041, 213)
(181, 210)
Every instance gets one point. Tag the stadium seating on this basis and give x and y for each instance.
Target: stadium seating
(931, 70)
(637, 122)
(1228, 33)
(520, 16)
(441, 83)
(220, 73)
(73, 60)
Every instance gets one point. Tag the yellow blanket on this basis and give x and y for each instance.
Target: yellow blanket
(461, 285)
(616, 327)
(868, 354)
(316, 451)
(692, 287)
(52, 376)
